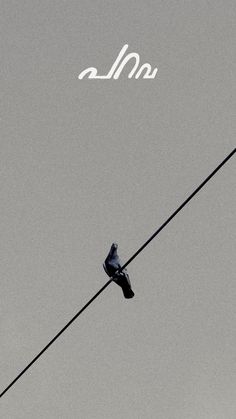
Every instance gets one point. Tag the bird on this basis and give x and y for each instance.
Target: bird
(111, 264)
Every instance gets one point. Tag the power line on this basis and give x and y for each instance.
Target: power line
(55, 337)
(177, 210)
(119, 270)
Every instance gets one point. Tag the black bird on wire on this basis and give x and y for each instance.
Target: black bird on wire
(111, 265)
(117, 272)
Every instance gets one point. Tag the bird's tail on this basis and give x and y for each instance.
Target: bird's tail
(124, 282)
(128, 292)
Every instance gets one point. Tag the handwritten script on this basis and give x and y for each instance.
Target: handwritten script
(116, 69)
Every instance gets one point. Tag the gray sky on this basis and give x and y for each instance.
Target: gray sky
(85, 163)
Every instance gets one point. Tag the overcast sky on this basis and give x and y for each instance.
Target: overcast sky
(88, 162)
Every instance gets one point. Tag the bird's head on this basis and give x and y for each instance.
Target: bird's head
(114, 246)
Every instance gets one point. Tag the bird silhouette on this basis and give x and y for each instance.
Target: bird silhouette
(111, 265)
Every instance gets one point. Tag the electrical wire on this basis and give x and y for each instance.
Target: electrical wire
(119, 270)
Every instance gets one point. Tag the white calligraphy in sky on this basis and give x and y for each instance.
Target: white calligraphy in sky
(118, 66)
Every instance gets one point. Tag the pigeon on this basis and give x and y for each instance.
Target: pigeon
(111, 265)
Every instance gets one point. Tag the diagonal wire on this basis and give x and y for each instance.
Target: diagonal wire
(177, 210)
(55, 337)
(119, 270)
